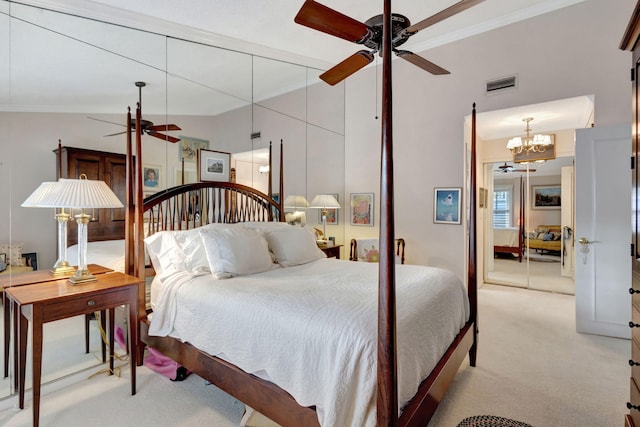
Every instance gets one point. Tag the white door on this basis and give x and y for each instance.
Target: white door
(603, 223)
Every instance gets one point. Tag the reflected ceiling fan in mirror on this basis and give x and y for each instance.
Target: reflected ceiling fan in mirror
(147, 127)
(510, 168)
(369, 33)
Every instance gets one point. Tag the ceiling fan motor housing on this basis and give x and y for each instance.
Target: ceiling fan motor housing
(398, 36)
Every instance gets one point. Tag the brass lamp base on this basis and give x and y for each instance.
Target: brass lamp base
(64, 269)
(82, 276)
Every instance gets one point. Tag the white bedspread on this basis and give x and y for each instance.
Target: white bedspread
(312, 329)
(506, 237)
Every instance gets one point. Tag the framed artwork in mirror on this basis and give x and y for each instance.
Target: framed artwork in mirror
(188, 149)
(447, 205)
(213, 165)
(546, 196)
(152, 175)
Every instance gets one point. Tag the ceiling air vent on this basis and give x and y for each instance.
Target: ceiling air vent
(500, 84)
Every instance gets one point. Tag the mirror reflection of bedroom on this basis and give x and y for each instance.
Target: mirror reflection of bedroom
(527, 207)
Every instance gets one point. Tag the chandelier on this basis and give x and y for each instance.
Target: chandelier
(529, 144)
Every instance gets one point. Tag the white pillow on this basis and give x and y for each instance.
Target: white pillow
(293, 245)
(182, 249)
(235, 251)
(164, 251)
(13, 254)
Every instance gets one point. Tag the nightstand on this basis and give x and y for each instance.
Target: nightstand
(331, 251)
(29, 278)
(40, 303)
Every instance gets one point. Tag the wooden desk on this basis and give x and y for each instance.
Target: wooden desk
(29, 278)
(40, 303)
(331, 251)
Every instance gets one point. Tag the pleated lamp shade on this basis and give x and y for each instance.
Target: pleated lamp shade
(323, 201)
(40, 197)
(295, 202)
(82, 194)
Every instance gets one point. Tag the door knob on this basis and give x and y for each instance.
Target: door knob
(585, 241)
(584, 247)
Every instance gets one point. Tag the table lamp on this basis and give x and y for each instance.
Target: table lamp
(83, 194)
(42, 198)
(324, 202)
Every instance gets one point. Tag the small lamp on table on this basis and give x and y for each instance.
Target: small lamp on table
(324, 202)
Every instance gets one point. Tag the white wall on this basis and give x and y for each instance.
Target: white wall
(571, 52)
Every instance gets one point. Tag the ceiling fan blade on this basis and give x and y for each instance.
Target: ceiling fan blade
(106, 121)
(421, 62)
(163, 137)
(322, 18)
(163, 128)
(347, 67)
(117, 133)
(461, 6)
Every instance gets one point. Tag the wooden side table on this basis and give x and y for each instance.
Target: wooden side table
(331, 251)
(45, 302)
(29, 278)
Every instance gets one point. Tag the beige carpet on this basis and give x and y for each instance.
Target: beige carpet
(532, 367)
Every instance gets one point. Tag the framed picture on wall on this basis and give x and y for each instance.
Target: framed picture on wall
(546, 196)
(447, 205)
(213, 165)
(332, 213)
(188, 149)
(482, 197)
(361, 209)
(152, 176)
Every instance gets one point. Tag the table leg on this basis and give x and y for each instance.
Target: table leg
(7, 332)
(36, 336)
(133, 337)
(87, 318)
(112, 332)
(103, 345)
(20, 331)
(16, 349)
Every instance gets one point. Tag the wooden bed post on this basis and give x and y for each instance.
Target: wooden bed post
(281, 189)
(472, 283)
(387, 400)
(129, 238)
(139, 267)
(270, 189)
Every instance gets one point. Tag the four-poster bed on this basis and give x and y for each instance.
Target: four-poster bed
(187, 207)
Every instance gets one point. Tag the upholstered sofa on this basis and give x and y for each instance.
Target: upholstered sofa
(545, 238)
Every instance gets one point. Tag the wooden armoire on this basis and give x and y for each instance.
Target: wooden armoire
(108, 224)
(631, 42)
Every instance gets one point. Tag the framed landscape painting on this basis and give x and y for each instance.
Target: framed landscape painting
(546, 196)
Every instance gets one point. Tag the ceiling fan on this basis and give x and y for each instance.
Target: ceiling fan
(322, 18)
(509, 169)
(147, 127)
